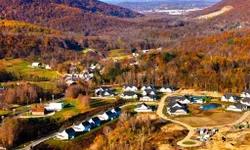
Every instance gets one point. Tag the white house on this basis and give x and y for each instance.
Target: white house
(146, 51)
(82, 126)
(149, 92)
(237, 107)
(197, 100)
(246, 101)
(47, 67)
(230, 98)
(177, 111)
(55, 107)
(66, 134)
(148, 97)
(129, 95)
(117, 111)
(105, 116)
(181, 99)
(36, 64)
(130, 87)
(143, 108)
(246, 93)
(147, 87)
(104, 92)
(167, 89)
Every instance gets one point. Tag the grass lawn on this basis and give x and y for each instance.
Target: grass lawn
(188, 143)
(3, 112)
(119, 54)
(74, 107)
(22, 66)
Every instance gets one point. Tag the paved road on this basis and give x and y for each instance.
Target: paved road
(35, 143)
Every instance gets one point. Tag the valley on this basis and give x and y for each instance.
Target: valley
(85, 74)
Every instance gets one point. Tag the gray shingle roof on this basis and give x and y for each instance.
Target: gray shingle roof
(247, 100)
(129, 93)
(70, 131)
(231, 95)
(240, 106)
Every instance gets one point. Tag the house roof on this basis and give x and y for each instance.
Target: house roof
(148, 85)
(231, 95)
(170, 87)
(171, 104)
(70, 131)
(247, 91)
(150, 90)
(176, 98)
(105, 88)
(129, 93)
(86, 123)
(39, 109)
(117, 109)
(247, 100)
(109, 113)
(102, 93)
(239, 105)
(173, 110)
(140, 105)
(129, 85)
(96, 119)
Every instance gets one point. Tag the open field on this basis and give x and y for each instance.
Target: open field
(22, 66)
(214, 119)
(119, 54)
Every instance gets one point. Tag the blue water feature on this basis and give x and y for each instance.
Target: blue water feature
(211, 106)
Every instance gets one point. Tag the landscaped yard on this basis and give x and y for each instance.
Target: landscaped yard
(74, 107)
(23, 67)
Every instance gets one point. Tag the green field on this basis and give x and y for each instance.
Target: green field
(118, 54)
(74, 107)
(23, 67)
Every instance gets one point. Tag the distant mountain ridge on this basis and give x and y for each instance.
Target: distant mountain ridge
(81, 16)
(93, 6)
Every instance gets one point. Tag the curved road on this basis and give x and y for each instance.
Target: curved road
(191, 129)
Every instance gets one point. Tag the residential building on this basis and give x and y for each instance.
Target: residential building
(130, 87)
(246, 93)
(246, 101)
(230, 98)
(129, 95)
(147, 87)
(54, 106)
(82, 126)
(143, 108)
(66, 134)
(168, 89)
(237, 107)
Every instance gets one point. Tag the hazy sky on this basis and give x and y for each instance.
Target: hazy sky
(116, 1)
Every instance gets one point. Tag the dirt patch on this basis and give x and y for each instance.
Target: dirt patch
(217, 13)
(211, 120)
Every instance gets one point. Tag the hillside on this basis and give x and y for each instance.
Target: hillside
(228, 14)
(66, 15)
